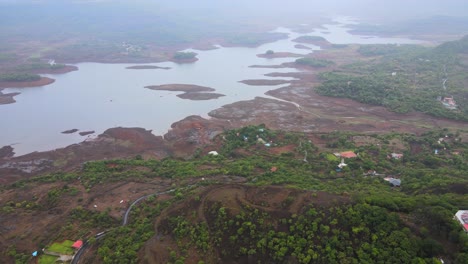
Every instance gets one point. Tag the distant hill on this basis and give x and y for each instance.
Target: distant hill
(458, 46)
(435, 25)
(405, 78)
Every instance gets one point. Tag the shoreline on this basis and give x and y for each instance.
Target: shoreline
(41, 82)
(194, 91)
(189, 91)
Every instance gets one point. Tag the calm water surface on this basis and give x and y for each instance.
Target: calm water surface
(100, 96)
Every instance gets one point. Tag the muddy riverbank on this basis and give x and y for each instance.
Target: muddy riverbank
(41, 82)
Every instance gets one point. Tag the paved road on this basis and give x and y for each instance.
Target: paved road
(125, 219)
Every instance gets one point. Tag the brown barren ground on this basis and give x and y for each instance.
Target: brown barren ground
(41, 82)
(7, 98)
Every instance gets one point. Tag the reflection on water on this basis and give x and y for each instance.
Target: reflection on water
(99, 96)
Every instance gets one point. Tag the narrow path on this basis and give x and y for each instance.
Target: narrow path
(299, 107)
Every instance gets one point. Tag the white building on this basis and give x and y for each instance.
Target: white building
(462, 217)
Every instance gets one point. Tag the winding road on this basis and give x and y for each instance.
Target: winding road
(100, 235)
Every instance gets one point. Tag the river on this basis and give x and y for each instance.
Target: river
(100, 96)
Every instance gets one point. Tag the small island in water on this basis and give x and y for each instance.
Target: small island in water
(191, 92)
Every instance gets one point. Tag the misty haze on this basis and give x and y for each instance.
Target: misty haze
(233, 131)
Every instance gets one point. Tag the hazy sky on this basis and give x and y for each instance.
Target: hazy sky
(368, 8)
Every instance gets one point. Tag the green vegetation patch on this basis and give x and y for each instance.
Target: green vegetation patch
(331, 157)
(19, 77)
(311, 62)
(47, 259)
(184, 55)
(406, 78)
(64, 247)
(39, 66)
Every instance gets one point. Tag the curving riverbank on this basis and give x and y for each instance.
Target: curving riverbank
(41, 82)
(7, 98)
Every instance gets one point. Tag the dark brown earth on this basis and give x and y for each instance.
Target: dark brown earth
(113, 143)
(85, 133)
(7, 98)
(70, 131)
(200, 96)
(143, 67)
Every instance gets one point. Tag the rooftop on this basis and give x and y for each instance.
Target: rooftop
(348, 154)
(77, 244)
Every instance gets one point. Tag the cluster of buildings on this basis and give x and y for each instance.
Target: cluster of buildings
(395, 182)
(130, 48)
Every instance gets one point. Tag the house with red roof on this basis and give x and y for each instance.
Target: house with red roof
(78, 244)
(348, 154)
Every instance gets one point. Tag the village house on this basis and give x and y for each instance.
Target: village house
(462, 217)
(346, 154)
(393, 181)
(449, 103)
(78, 244)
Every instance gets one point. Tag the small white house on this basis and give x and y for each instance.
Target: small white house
(214, 153)
(462, 217)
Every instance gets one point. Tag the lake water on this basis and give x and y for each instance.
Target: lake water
(100, 96)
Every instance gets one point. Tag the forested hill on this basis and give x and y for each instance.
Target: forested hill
(254, 203)
(457, 46)
(405, 78)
